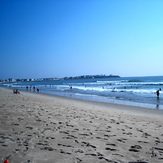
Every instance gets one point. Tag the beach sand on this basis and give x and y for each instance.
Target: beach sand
(37, 128)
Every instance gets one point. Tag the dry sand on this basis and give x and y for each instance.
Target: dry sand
(36, 128)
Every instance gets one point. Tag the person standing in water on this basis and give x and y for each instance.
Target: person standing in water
(158, 94)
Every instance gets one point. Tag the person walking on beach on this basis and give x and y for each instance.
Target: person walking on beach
(158, 94)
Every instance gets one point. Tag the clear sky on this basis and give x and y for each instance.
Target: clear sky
(58, 38)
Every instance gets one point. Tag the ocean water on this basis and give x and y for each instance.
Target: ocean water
(133, 91)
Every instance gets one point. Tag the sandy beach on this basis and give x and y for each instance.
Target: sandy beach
(37, 128)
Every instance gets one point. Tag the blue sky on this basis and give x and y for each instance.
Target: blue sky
(58, 38)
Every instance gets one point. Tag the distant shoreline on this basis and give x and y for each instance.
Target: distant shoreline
(62, 79)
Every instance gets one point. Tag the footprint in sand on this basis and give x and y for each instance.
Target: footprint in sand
(135, 148)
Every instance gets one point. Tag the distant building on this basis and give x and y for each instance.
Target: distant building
(31, 79)
(11, 80)
(49, 79)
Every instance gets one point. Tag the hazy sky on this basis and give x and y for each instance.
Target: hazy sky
(58, 38)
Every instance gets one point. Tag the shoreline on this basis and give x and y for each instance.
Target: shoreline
(104, 105)
(128, 90)
(39, 128)
(100, 99)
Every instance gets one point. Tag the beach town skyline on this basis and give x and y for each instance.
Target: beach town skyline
(63, 78)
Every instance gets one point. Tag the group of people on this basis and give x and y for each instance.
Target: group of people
(34, 89)
(16, 91)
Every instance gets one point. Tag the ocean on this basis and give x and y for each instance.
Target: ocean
(132, 91)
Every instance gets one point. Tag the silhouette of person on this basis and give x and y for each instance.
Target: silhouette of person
(38, 90)
(157, 106)
(34, 88)
(158, 94)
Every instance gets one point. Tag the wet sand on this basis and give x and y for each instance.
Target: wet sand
(37, 128)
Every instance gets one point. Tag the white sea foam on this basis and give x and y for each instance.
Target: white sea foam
(90, 95)
(89, 88)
